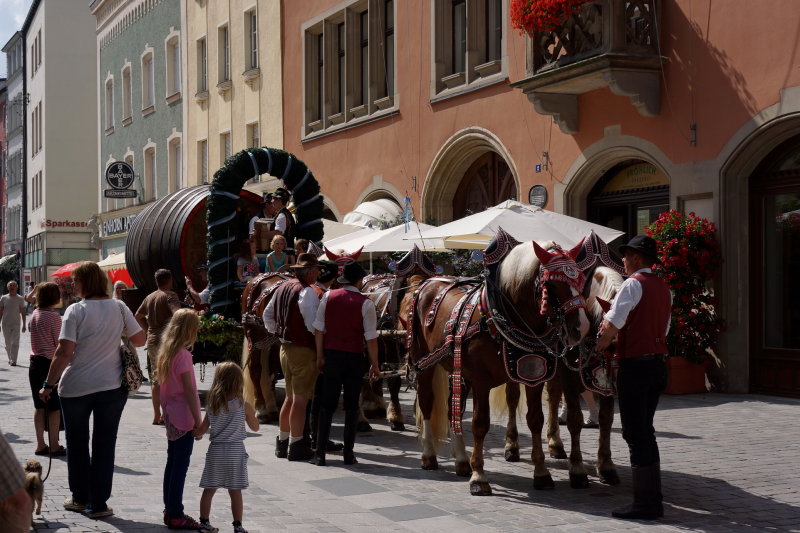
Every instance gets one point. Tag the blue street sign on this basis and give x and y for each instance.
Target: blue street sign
(539, 168)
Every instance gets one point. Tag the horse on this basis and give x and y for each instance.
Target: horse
(260, 357)
(456, 326)
(602, 285)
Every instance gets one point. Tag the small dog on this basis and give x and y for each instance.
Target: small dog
(34, 484)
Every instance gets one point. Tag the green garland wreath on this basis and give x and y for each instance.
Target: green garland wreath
(221, 213)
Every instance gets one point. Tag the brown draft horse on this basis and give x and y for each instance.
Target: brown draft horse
(603, 284)
(526, 297)
(260, 357)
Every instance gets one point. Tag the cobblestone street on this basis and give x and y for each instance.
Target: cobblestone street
(729, 464)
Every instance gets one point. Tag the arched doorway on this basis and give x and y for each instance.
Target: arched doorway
(774, 266)
(629, 197)
(487, 182)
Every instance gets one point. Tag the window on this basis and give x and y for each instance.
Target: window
(253, 136)
(36, 191)
(173, 66)
(225, 148)
(39, 49)
(148, 82)
(224, 51)
(202, 65)
(36, 129)
(202, 160)
(109, 103)
(251, 31)
(127, 94)
(468, 43)
(149, 174)
(39, 119)
(349, 64)
(175, 165)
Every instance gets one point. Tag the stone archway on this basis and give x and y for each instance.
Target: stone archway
(450, 165)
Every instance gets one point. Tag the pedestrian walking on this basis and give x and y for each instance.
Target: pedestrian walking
(180, 404)
(153, 315)
(640, 318)
(226, 459)
(45, 327)
(88, 369)
(345, 319)
(290, 315)
(12, 319)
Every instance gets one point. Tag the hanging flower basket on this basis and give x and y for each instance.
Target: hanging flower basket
(531, 16)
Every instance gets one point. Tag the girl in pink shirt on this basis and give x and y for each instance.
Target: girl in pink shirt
(180, 404)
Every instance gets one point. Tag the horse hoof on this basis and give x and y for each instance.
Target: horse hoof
(609, 477)
(579, 481)
(543, 482)
(557, 453)
(363, 427)
(397, 426)
(480, 488)
(512, 455)
(463, 469)
(429, 463)
(375, 413)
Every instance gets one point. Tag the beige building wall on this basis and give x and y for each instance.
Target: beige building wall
(249, 96)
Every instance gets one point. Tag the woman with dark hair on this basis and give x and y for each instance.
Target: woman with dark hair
(247, 265)
(88, 370)
(45, 326)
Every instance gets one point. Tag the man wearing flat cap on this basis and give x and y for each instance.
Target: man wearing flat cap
(290, 315)
(345, 319)
(640, 318)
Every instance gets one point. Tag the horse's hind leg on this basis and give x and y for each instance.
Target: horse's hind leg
(578, 478)
(606, 470)
(554, 443)
(395, 413)
(541, 476)
(479, 483)
(425, 401)
(512, 434)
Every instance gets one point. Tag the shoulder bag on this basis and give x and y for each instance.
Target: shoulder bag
(131, 371)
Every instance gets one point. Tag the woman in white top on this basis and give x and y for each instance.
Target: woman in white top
(88, 370)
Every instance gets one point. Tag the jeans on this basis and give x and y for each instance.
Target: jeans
(179, 452)
(342, 370)
(639, 384)
(90, 478)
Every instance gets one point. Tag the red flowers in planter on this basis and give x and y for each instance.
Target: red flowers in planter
(542, 15)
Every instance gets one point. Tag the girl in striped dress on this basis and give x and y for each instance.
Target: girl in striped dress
(226, 460)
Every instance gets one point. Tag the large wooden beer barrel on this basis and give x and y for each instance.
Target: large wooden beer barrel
(171, 234)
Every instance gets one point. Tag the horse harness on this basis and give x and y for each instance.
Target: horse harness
(251, 321)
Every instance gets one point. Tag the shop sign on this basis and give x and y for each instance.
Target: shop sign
(115, 226)
(636, 177)
(119, 176)
(49, 223)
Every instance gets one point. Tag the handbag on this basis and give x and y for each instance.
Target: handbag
(131, 371)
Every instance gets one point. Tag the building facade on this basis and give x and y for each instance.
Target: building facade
(15, 152)
(234, 81)
(140, 76)
(3, 156)
(60, 136)
(615, 124)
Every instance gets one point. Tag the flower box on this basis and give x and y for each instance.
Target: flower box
(685, 377)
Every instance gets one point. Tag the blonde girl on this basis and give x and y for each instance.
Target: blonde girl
(180, 404)
(226, 460)
(278, 257)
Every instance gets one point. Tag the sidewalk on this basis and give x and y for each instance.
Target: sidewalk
(729, 462)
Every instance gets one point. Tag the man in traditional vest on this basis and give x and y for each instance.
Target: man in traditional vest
(290, 315)
(640, 317)
(345, 319)
(284, 221)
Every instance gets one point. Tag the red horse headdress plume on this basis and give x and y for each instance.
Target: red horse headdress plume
(557, 265)
(343, 259)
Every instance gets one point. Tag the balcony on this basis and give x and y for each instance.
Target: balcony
(610, 43)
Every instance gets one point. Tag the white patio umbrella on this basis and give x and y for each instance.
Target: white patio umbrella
(523, 222)
(394, 239)
(112, 262)
(334, 229)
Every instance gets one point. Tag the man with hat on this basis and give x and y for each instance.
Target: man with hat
(290, 315)
(640, 318)
(198, 297)
(284, 221)
(345, 319)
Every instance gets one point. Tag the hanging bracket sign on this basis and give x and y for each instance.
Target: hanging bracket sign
(119, 175)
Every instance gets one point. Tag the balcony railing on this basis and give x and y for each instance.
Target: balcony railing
(609, 43)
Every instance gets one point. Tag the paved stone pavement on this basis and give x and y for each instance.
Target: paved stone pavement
(729, 464)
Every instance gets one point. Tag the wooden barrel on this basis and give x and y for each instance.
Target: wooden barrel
(171, 234)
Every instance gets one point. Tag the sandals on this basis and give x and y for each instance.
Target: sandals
(60, 452)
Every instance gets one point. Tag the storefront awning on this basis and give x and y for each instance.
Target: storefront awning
(374, 213)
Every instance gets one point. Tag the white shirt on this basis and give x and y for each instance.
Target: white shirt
(280, 222)
(368, 315)
(628, 297)
(308, 302)
(95, 326)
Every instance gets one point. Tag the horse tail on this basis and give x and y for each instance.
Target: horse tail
(498, 402)
(439, 422)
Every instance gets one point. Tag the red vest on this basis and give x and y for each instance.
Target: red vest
(643, 332)
(289, 320)
(344, 323)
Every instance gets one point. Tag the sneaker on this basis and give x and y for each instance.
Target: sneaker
(71, 505)
(589, 423)
(239, 529)
(108, 511)
(206, 526)
(184, 522)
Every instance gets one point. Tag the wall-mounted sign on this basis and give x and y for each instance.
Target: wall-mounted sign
(119, 176)
(639, 176)
(538, 196)
(63, 223)
(115, 226)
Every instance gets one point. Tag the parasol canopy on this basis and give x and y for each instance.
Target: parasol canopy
(394, 239)
(66, 270)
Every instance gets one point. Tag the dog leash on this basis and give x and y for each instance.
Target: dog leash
(49, 451)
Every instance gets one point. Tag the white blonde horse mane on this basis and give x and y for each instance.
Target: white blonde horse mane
(520, 267)
(608, 284)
